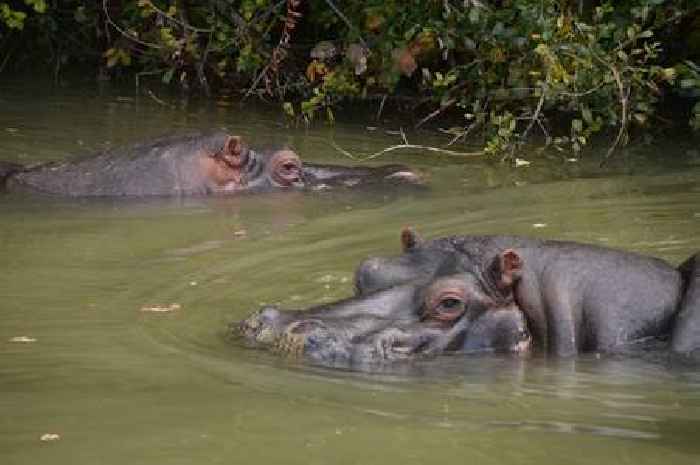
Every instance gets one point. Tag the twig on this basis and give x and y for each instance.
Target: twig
(451, 101)
(6, 59)
(544, 130)
(405, 146)
(10, 49)
(279, 53)
(536, 115)
(381, 106)
(403, 136)
(157, 100)
(437, 112)
(346, 21)
(461, 135)
(200, 68)
(623, 104)
(226, 10)
(471, 127)
(262, 17)
(660, 25)
(255, 83)
(179, 23)
(582, 94)
(123, 32)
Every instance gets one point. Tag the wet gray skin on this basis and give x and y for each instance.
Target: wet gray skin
(192, 164)
(576, 297)
(400, 323)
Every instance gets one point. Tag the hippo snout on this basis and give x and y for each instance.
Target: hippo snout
(315, 341)
(279, 331)
(263, 327)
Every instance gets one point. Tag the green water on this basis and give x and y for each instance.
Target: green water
(124, 386)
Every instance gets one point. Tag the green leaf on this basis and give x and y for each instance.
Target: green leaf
(577, 125)
(38, 5)
(79, 15)
(474, 15)
(587, 114)
(168, 76)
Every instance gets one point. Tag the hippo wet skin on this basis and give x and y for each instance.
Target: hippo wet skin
(421, 317)
(191, 164)
(466, 293)
(576, 297)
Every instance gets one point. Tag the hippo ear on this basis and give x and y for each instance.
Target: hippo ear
(509, 265)
(234, 152)
(409, 239)
(233, 146)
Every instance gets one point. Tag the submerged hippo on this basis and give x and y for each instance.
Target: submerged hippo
(393, 324)
(193, 164)
(444, 312)
(493, 293)
(576, 297)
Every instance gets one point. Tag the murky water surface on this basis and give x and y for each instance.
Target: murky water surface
(80, 359)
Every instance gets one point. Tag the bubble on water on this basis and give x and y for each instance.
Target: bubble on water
(328, 278)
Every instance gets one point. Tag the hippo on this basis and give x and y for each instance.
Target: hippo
(498, 293)
(576, 297)
(190, 164)
(398, 323)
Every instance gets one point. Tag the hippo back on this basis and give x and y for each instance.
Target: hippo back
(164, 166)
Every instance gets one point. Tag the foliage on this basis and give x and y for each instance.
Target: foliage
(14, 18)
(511, 69)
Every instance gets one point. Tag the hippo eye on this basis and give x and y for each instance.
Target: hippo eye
(447, 307)
(446, 299)
(451, 303)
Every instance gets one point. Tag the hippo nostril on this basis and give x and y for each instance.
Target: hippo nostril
(312, 342)
(269, 314)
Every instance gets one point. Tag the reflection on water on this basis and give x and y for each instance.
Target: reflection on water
(119, 385)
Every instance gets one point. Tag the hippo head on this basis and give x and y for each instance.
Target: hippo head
(234, 167)
(231, 166)
(402, 309)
